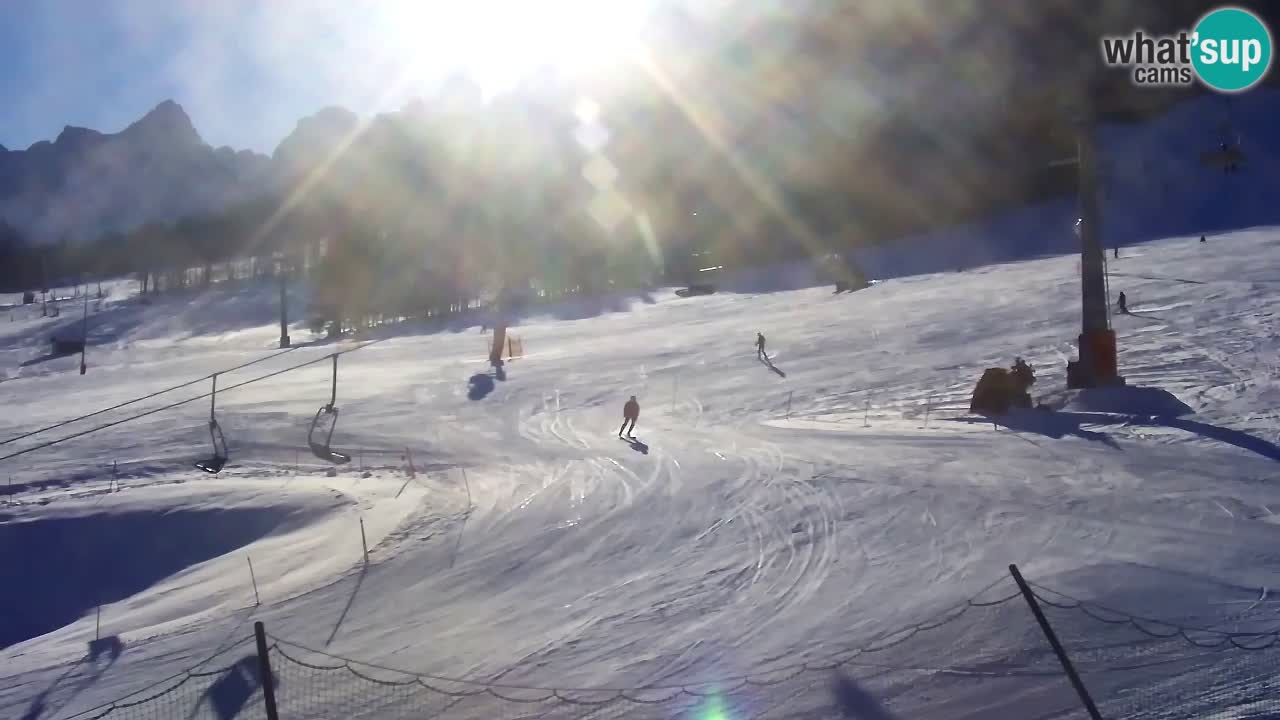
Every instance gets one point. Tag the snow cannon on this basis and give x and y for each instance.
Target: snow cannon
(1001, 389)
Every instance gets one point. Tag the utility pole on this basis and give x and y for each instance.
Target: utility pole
(1097, 364)
(84, 332)
(284, 304)
(44, 288)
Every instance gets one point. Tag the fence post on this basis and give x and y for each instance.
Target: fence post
(1058, 650)
(866, 412)
(789, 395)
(264, 670)
(927, 409)
(363, 542)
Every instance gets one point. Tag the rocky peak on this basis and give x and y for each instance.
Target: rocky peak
(167, 120)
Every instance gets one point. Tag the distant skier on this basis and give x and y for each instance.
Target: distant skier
(1123, 303)
(1202, 238)
(760, 353)
(630, 413)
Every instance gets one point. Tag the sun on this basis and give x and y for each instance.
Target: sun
(498, 42)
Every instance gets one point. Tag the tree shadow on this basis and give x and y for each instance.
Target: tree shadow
(95, 559)
(479, 386)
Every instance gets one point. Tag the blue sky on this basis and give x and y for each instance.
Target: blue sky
(247, 70)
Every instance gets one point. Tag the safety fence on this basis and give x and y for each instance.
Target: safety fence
(1036, 652)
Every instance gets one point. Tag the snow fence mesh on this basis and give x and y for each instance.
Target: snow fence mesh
(896, 672)
(1197, 660)
(1202, 665)
(225, 685)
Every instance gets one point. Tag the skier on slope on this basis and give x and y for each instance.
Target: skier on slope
(760, 353)
(1123, 303)
(630, 413)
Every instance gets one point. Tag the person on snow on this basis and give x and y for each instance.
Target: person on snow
(1023, 377)
(760, 353)
(630, 413)
(1023, 373)
(1123, 303)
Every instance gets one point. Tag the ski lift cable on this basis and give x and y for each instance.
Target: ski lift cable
(149, 396)
(180, 403)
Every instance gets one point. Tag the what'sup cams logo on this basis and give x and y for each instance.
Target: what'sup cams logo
(1229, 50)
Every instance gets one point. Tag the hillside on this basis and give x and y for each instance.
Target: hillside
(835, 507)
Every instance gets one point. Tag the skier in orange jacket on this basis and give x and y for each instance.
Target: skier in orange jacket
(630, 413)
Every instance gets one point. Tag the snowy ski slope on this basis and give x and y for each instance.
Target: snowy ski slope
(535, 548)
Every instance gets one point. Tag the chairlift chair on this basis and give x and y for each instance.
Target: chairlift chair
(214, 464)
(327, 415)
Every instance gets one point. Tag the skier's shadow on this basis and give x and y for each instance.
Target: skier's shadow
(1145, 316)
(768, 362)
(637, 446)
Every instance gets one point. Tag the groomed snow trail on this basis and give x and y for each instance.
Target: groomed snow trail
(535, 547)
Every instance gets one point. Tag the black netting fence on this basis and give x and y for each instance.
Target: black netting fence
(223, 686)
(1202, 664)
(1198, 665)
(895, 672)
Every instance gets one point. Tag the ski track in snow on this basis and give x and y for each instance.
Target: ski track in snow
(744, 538)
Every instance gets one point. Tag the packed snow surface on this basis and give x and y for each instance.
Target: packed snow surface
(769, 514)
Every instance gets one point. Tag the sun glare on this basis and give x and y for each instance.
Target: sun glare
(498, 42)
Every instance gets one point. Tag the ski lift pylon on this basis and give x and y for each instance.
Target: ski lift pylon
(327, 414)
(218, 460)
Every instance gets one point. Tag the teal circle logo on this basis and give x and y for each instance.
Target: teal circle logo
(1231, 49)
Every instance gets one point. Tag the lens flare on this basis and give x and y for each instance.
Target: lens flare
(712, 708)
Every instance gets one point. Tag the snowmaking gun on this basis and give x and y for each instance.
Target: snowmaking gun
(1002, 389)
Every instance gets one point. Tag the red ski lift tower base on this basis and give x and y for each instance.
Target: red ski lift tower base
(1096, 366)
